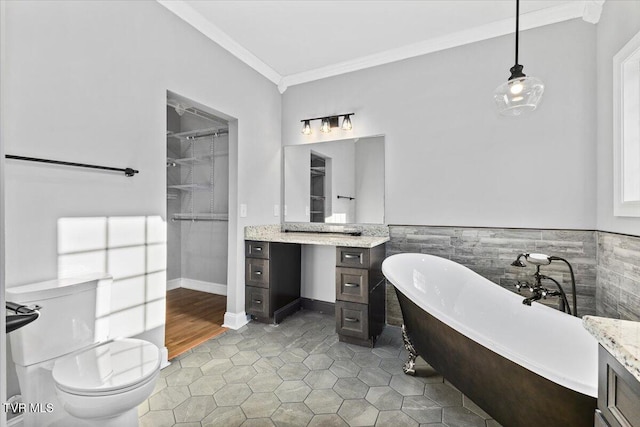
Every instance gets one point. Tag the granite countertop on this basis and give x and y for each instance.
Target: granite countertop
(274, 234)
(621, 338)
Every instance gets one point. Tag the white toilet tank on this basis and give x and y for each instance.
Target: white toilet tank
(73, 315)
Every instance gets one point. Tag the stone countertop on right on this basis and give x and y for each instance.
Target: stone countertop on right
(621, 338)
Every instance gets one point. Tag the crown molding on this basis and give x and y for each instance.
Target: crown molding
(592, 11)
(565, 12)
(588, 10)
(200, 23)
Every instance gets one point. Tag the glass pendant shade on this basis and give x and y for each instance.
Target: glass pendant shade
(346, 123)
(518, 95)
(306, 128)
(325, 126)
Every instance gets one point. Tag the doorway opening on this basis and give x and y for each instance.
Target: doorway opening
(197, 223)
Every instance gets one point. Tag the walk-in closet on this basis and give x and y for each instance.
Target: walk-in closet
(197, 223)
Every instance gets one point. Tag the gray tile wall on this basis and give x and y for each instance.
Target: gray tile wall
(618, 284)
(490, 251)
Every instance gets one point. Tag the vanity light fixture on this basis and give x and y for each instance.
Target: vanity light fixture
(520, 93)
(328, 122)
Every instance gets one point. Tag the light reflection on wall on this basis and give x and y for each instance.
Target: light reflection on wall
(131, 249)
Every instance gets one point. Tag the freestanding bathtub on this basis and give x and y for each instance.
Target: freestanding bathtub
(524, 365)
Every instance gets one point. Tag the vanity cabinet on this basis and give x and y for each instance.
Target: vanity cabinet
(618, 394)
(272, 279)
(360, 294)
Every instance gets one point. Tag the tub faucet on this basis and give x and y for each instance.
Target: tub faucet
(535, 297)
(537, 289)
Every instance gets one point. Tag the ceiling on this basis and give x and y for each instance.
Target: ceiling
(292, 42)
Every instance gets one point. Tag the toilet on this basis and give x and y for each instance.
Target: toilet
(71, 372)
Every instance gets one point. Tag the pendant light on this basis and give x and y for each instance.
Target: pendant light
(520, 93)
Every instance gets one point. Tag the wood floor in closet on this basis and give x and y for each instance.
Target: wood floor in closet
(193, 317)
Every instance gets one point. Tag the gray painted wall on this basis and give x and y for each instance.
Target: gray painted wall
(87, 82)
(111, 63)
(620, 21)
(618, 287)
(450, 158)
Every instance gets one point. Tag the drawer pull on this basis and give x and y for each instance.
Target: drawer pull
(257, 248)
(351, 285)
(351, 319)
(257, 301)
(257, 273)
(351, 256)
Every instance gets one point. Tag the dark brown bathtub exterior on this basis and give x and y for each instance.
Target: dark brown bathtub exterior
(511, 394)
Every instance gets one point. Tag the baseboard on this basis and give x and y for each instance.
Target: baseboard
(164, 357)
(235, 320)
(197, 285)
(15, 421)
(287, 310)
(174, 284)
(317, 305)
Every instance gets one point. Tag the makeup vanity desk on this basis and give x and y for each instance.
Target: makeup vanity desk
(273, 275)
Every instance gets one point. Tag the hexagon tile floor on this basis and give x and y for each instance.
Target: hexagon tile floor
(298, 374)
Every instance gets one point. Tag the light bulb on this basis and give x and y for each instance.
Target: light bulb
(306, 128)
(346, 123)
(326, 126)
(516, 88)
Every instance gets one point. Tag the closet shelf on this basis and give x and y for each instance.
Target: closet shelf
(317, 171)
(200, 217)
(204, 159)
(190, 187)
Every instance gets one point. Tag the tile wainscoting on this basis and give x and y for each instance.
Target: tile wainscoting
(490, 251)
(618, 282)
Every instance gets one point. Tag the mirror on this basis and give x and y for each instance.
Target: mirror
(335, 181)
(626, 129)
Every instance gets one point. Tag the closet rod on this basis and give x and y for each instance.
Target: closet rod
(204, 135)
(127, 171)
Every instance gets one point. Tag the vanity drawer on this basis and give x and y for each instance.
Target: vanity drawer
(257, 272)
(257, 301)
(254, 249)
(352, 284)
(352, 319)
(352, 257)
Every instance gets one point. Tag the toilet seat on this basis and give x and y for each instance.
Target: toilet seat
(110, 368)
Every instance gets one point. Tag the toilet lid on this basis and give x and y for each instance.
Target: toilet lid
(113, 366)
